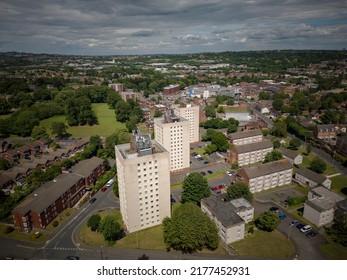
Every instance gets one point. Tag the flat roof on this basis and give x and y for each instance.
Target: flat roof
(223, 211)
(320, 203)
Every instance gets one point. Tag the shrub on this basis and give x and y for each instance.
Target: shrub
(8, 230)
(55, 223)
(296, 200)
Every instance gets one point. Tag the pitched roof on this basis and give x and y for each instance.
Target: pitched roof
(87, 166)
(289, 153)
(48, 193)
(267, 168)
(223, 211)
(245, 134)
(311, 175)
(241, 149)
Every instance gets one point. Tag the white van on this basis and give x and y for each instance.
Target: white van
(109, 183)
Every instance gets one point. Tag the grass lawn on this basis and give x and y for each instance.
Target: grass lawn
(306, 161)
(106, 117)
(339, 183)
(270, 245)
(334, 251)
(16, 234)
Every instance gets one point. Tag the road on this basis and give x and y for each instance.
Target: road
(261, 116)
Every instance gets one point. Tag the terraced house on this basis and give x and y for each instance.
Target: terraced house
(266, 176)
(250, 153)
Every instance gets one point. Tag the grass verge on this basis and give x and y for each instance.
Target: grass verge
(269, 245)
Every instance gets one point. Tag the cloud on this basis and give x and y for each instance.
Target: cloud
(170, 26)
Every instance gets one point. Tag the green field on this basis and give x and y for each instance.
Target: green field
(107, 123)
(270, 245)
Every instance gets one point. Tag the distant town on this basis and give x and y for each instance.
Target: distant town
(233, 155)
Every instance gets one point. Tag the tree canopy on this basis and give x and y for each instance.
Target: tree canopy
(273, 156)
(110, 228)
(189, 229)
(239, 190)
(318, 165)
(195, 187)
(267, 221)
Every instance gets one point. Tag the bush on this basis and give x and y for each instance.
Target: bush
(296, 200)
(94, 222)
(55, 223)
(8, 230)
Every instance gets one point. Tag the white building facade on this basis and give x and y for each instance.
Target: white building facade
(190, 112)
(143, 171)
(172, 132)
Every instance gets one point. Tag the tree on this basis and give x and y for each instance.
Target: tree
(276, 143)
(195, 187)
(210, 112)
(277, 104)
(110, 228)
(39, 132)
(23, 123)
(210, 149)
(267, 221)
(94, 222)
(120, 136)
(239, 190)
(273, 156)
(157, 114)
(294, 144)
(318, 165)
(58, 129)
(221, 141)
(279, 129)
(189, 229)
(4, 164)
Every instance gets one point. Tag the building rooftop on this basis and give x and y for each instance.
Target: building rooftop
(245, 134)
(48, 193)
(223, 211)
(311, 175)
(87, 166)
(241, 203)
(322, 191)
(241, 149)
(320, 203)
(289, 153)
(267, 168)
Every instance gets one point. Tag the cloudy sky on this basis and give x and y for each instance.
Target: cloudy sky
(111, 27)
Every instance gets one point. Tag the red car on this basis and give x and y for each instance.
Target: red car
(103, 189)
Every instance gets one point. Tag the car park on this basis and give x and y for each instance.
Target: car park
(293, 223)
(306, 228)
(92, 200)
(311, 234)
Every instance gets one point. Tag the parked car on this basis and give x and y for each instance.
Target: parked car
(203, 173)
(294, 223)
(103, 189)
(92, 200)
(229, 173)
(109, 183)
(306, 228)
(206, 162)
(194, 154)
(274, 209)
(299, 226)
(282, 216)
(209, 171)
(311, 234)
